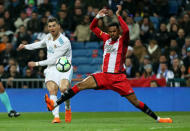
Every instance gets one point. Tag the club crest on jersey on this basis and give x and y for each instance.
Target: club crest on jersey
(49, 38)
(110, 48)
(55, 46)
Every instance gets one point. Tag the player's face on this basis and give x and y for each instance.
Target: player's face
(113, 31)
(53, 28)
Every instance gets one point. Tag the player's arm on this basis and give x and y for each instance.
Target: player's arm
(33, 46)
(124, 26)
(93, 26)
(52, 60)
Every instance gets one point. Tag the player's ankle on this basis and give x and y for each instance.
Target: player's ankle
(158, 118)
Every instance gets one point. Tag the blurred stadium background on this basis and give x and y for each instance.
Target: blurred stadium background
(159, 41)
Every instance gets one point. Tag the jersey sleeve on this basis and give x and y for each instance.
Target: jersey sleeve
(36, 45)
(61, 51)
(124, 27)
(99, 33)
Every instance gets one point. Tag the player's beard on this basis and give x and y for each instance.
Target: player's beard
(114, 38)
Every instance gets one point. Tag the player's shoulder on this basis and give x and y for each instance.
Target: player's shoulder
(63, 38)
(48, 36)
(104, 34)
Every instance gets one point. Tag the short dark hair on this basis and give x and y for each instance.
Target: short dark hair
(52, 19)
(114, 24)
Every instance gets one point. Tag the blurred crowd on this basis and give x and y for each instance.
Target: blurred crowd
(159, 34)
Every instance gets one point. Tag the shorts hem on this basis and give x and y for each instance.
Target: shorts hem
(97, 87)
(128, 94)
(51, 81)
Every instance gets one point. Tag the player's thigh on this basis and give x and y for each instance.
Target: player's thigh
(121, 85)
(87, 83)
(1, 88)
(133, 99)
(64, 84)
(52, 87)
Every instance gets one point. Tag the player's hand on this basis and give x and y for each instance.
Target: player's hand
(119, 8)
(20, 47)
(103, 12)
(31, 64)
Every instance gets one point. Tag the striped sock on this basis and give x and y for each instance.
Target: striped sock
(143, 107)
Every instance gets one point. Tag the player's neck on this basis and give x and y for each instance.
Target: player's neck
(115, 39)
(56, 36)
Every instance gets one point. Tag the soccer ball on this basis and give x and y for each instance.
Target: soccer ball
(63, 64)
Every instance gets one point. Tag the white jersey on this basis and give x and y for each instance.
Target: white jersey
(55, 48)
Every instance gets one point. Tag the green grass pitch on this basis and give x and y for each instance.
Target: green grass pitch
(96, 121)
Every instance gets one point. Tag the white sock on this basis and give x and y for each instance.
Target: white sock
(67, 105)
(55, 111)
(158, 118)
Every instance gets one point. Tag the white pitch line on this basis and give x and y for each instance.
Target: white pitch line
(165, 127)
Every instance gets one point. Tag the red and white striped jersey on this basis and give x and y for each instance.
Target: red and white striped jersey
(114, 51)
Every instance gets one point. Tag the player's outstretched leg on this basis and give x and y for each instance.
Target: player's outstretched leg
(143, 107)
(5, 100)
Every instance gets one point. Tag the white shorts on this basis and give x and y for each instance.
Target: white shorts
(52, 74)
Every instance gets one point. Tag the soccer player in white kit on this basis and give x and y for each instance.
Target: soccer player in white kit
(57, 45)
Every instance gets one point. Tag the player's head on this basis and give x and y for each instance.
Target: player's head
(53, 26)
(113, 31)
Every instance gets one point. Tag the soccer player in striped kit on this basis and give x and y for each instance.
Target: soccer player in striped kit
(113, 76)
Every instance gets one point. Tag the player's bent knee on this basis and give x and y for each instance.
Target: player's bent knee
(52, 88)
(62, 89)
(1, 88)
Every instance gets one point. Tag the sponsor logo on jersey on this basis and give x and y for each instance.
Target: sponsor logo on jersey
(49, 38)
(110, 48)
